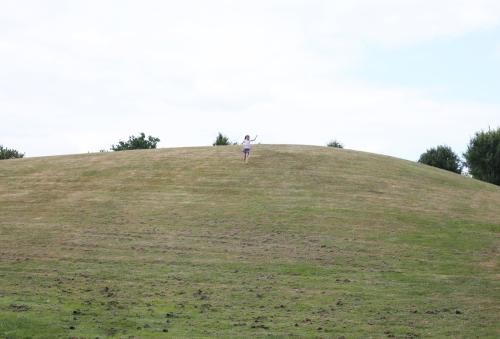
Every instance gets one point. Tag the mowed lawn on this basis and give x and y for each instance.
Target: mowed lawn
(190, 242)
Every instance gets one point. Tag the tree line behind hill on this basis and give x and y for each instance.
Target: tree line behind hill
(481, 160)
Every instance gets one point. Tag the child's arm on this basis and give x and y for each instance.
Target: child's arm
(254, 138)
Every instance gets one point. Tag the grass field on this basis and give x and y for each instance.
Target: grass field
(190, 242)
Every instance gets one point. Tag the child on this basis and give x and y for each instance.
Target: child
(246, 148)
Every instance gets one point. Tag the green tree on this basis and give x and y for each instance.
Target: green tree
(442, 157)
(221, 140)
(139, 142)
(483, 156)
(335, 144)
(7, 153)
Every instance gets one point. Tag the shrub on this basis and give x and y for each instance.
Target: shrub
(7, 153)
(442, 157)
(335, 144)
(139, 142)
(483, 156)
(221, 140)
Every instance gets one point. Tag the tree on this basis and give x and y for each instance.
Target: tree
(442, 157)
(139, 142)
(221, 140)
(483, 156)
(335, 144)
(7, 153)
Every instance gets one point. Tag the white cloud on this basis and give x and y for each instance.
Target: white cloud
(389, 121)
(93, 72)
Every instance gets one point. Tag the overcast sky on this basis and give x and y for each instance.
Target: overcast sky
(387, 76)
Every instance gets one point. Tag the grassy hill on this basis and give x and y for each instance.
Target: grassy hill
(302, 241)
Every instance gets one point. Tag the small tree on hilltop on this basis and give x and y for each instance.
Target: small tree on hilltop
(335, 144)
(7, 153)
(442, 157)
(483, 156)
(139, 142)
(221, 140)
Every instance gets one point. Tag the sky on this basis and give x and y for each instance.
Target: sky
(394, 77)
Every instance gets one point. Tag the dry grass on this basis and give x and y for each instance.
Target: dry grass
(306, 241)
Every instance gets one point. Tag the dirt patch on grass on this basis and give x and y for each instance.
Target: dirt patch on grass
(19, 308)
(489, 264)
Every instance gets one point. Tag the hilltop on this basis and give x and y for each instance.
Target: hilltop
(303, 240)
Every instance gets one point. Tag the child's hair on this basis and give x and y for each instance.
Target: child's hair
(247, 136)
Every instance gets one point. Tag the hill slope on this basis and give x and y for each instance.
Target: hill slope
(303, 240)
